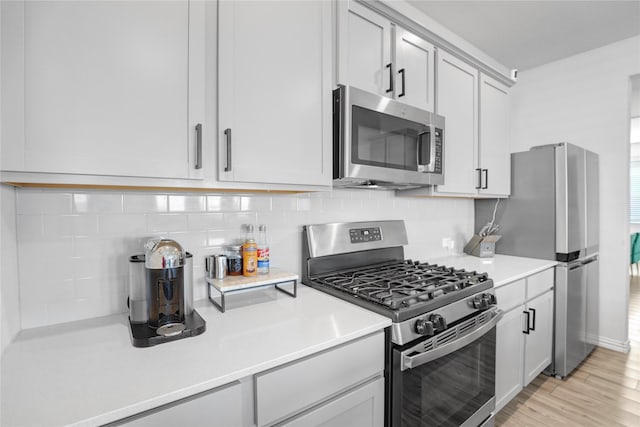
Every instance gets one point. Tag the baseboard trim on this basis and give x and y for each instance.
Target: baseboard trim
(621, 346)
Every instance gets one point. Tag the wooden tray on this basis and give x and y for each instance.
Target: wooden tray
(230, 284)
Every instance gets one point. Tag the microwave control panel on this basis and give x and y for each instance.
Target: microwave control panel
(362, 235)
(438, 166)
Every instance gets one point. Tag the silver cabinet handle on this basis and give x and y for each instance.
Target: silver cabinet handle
(410, 362)
(198, 146)
(227, 133)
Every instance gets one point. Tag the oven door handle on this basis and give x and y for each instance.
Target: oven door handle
(410, 362)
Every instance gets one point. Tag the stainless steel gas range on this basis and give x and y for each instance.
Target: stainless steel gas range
(440, 351)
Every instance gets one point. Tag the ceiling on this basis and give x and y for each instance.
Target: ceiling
(524, 34)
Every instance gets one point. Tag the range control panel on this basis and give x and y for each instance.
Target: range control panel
(362, 235)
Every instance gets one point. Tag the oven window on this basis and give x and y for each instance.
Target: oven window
(379, 139)
(448, 390)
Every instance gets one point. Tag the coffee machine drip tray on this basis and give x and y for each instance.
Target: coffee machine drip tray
(143, 335)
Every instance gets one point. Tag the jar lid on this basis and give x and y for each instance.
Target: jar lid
(234, 247)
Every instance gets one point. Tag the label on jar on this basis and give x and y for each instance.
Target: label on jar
(263, 260)
(234, 264)
(249, 259)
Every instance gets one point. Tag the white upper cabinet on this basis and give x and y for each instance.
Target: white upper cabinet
(494, 154)
(477, 160)
(364, 49)
(414, 63)
(382, 58)
(102, 88)
(458, 102)
(274, 99)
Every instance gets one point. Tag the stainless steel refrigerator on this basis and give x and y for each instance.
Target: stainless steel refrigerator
(553, 213)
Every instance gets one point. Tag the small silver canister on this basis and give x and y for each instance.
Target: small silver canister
(216, 266)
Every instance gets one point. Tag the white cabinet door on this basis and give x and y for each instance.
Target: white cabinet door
(364, 49)
(494, 156)
(458, 103)
(283, 392)
(103, 86)
(219, 407)
(274, 85)
(414, 70)
(538, 342)
(509, 356)
(362, 407)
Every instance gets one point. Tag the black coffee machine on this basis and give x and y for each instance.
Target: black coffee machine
(161, 295)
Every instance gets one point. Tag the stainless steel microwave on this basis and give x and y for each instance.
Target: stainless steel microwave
(382, 143)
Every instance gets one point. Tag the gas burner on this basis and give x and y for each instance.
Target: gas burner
(402, 284)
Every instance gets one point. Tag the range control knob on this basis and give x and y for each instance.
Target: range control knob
(483, 301)
(439, 323)
(425, 327)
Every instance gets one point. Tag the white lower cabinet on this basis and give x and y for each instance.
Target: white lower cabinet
(222, 406)
(361, 407)
(537, 354)
(524, 335)
(509, 356)
(326, 385)
(341, 386)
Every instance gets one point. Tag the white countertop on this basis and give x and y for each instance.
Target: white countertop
(502, 269)
(88, 373)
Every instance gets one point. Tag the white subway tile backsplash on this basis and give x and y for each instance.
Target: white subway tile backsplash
(216, 238)
(234, 223)
(43, 202)
(206, 221)
(58, 226)
(190, 240)
(70, 225)
(223, 203)
(97, 202)
(166, 222)
(332, 205)
(182, 203)
(145, 203)
(121, 224)
(309, 204)
(283, 203)
(82, 241)
(86, 267)
(255, 203)
(30, 227)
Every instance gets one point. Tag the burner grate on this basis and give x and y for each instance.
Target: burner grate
(401, 284)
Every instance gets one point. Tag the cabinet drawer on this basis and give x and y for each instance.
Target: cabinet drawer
(221, 406)
(511, 295)
(284, 391)
(540, 283)
(363, 406)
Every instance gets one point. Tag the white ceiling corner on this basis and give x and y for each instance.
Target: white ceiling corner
(524, 34)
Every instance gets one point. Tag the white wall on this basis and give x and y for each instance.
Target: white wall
(74, 246)
(9, 294)
(585, 100)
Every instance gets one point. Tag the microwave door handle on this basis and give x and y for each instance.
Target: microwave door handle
(431, 149)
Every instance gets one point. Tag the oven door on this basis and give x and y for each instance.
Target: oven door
(449, 379)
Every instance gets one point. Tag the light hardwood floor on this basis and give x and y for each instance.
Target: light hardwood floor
(603, 391)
